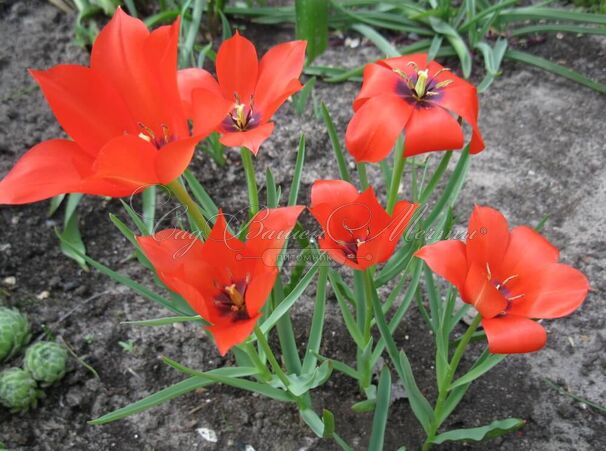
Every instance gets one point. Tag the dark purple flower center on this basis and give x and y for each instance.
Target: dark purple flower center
(230, 300)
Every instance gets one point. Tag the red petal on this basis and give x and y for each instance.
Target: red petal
(461, 98)
(279, 73)
(378, 79)
(446, 258)
(174, 157)
(335, 192)
(233, 333)
(251, 139)
(431, 128)
(209, 109)
(487, 238)
(527, 252)
(554, 291)
(237, 68)
(54, 167)
(374, 128)
(259, 290)
(189, 80)
(336, 253)
(480, 292)
(403, 63)
(267, 233)
(226, 252)
(125, 56)
(88, 108)
(170, 250)
(128, 160)
(511, 334)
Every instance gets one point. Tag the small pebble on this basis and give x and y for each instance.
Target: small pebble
(43, 295)
(208, 434)
(10, 281)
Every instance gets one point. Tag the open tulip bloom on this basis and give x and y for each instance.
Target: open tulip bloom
(408, 93)
(123, 114)
(253, 90)
(510, 278)
(128, 117)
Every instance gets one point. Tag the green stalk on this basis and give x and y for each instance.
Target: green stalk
(271, 357)
(363, 176)
(179, 191)
(251, 181)
(398, 170)
(443, 390)
(286, 335)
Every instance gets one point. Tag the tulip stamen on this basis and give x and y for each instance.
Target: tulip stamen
(230, 299)
(420, 84)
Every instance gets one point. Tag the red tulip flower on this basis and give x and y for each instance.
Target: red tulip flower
(224, 280)
(510, 278)
(407, 93)
(252, 90)
(358, 232)
(123, 114)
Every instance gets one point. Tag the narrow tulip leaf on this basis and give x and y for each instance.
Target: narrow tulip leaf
(368, 405)
(377, 39)
(71, 241)
(434, 48)
(557, 28)
(55, 203)
(135, 217)
(270, 185)
(494, 429)
(312, 25)
(178, 389)
(296, 178)
(481, 368)
(301, 99)
(225, 26)
(164, 321)
(340, 367)
(243, 384)
(190, 29)
(131, 237)
(524, 57)
(350, 323)
(336, 145)
(379, 421)
(124, 280)
(456, 41)
(209, 207)
(290, 299)
(317, 323)
(314, 422)
(328, 419)
(149, 208)
(542, 13)
(299, 385)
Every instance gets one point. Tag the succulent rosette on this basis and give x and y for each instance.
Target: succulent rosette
(46, 361)
(15, 332)
(18, 390)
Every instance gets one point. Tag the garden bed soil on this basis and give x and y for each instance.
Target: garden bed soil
(545, 155)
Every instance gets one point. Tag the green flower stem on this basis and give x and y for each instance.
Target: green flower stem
(179, 191)
(398, 170)
(443, 391)
(271, 357)
(286, 334)
(251, 181)
(363, 176)
(252, 354)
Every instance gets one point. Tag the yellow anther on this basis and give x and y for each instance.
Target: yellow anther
(234, 295)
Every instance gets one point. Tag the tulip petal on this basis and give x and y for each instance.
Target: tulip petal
(279, 72)
(512, 334)
(461, 98)
(446, 258)
(233, 333)
(374, 128)
(528, 251)
(336, 252)
(174, 157)
(554, 291)
(129, 160)
(54, 167)
(410, 63)
(209, 109)
(237, 68)
(480, 292)
(171, 249)
(251, 139)
(191, 79)
(259, 289)
(431, 128)
(488, 238)
(332, 191)
(88, 108)
(378, 79)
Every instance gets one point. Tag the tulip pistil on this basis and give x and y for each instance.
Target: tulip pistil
(242, 116)
(420, 84)
(502, 288)
(230, 300)
(147, 134)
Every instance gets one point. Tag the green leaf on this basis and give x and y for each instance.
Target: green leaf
(272, 192)
(71, 241)
(299, 385)
(494, 429)
(164, 321)
(348, 318)
(296, 178)
(419, 404)
(478, 370)
(336, 145)
(190, 28)
(329, 423)
(367, 405)
(379, 421)
(178, 389)
(317, 323)
(55, 203)
(301, 99)
(312, 419)
(312, 25)
(436, 43)
(289, 300)
(455, 40)
(377, 39)
(149, 208)
(557, 28)
(204, 200)
(135, 217)
(557, 69)
(225, 26)
(538, 13)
